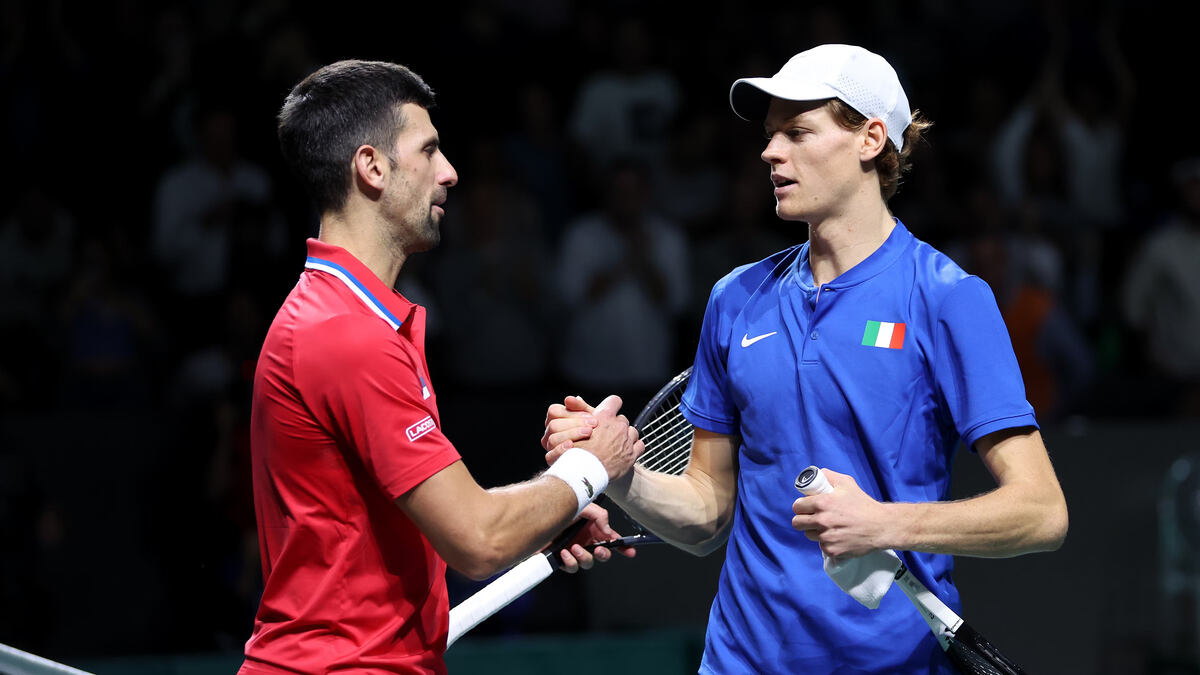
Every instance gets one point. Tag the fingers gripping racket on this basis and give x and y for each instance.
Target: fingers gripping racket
(667, 436)
(969, 651)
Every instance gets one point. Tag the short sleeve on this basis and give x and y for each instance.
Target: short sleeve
(706, 402)
(974, 367)
(366, 388)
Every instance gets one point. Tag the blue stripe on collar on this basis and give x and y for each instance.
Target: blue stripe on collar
(356, 286)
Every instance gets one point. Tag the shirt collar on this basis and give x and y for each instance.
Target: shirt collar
(336, 261)
(878, 261)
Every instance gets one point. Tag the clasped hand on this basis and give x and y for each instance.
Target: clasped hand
(846, 522)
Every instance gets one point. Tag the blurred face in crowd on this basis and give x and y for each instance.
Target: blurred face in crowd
(418, 182)
(816, 165)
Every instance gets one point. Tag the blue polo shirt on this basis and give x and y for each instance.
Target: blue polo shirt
(878, 374)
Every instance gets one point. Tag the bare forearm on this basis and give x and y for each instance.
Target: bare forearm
(1005, 522)
(688, 511)
(520, 520)
(480, 532)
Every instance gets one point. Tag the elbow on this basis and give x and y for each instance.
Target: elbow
(703, 548)
(707, 541)
(1056, 528)
(476, 569)
(1052, 528)
(479, 559)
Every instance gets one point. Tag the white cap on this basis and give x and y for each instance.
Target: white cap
(863, 80)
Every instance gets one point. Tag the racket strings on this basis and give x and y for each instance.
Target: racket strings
(658, 440)
(668, 439)
(672, 459)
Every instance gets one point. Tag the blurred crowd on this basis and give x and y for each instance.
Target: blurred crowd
(149, 230)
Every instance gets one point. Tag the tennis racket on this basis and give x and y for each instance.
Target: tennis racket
(968, 650)
(667, 436)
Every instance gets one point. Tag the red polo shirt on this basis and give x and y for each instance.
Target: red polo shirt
(344, 421)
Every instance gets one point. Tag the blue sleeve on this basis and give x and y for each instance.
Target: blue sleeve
(706, 402)
(974, 364)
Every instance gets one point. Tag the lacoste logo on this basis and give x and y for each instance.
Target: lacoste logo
(747, 340)
(590, 490)
(421, 428)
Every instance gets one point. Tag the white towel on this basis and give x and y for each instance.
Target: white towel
(866, 578)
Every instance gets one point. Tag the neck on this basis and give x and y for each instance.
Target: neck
(365, 242)
(838, 243)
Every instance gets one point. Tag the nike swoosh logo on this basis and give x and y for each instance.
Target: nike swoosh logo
(747, 340)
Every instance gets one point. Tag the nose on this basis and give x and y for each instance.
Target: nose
(447, 177)
(773, 153)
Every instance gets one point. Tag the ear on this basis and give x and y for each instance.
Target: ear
(873, 140)
(370, 168)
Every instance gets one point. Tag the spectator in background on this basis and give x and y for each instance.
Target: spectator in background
(36, 240)
(490, 282)
(112, 339)
(204, 209)
(626, 270)
(168, 90)
(746, 231)
(537, 155)
(209, 407)
(1058, 157)
(626, 111)
(692, 185)
(1160, 297)
(1024, 271)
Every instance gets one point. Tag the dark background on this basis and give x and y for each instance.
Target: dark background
(126, 525)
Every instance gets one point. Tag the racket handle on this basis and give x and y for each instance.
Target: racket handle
(865, 578)
(631, 540)
(510, 585)
(564, 538)
(812, 481)
(498, 595)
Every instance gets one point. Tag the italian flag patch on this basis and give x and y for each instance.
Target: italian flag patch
(883, 334)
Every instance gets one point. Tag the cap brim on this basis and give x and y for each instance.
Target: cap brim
(750, 97)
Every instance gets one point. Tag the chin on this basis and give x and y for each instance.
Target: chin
(789, 215)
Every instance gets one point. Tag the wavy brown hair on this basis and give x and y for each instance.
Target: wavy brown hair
(890, 164)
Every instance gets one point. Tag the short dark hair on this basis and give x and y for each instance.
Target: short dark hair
(337, 109)
(890, 164)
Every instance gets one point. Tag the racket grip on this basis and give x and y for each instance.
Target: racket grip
(812, 481)
(865, 578)
(497, 595)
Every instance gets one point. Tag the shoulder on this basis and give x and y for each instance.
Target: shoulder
(346, 343)
(938, 277)
(743, 281)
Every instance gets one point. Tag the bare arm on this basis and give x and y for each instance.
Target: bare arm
(480, 532)
(693, 510)
(1024, 514)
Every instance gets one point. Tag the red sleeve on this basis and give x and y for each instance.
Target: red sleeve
(362, 384)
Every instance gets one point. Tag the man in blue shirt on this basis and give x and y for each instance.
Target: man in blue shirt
(864, 351)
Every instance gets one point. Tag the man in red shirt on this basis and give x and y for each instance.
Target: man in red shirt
(361, 500)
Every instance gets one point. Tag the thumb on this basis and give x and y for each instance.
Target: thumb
(611, 404)
(838, 479)
(577, 404)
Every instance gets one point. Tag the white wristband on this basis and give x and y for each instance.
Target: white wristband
(584, 472)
